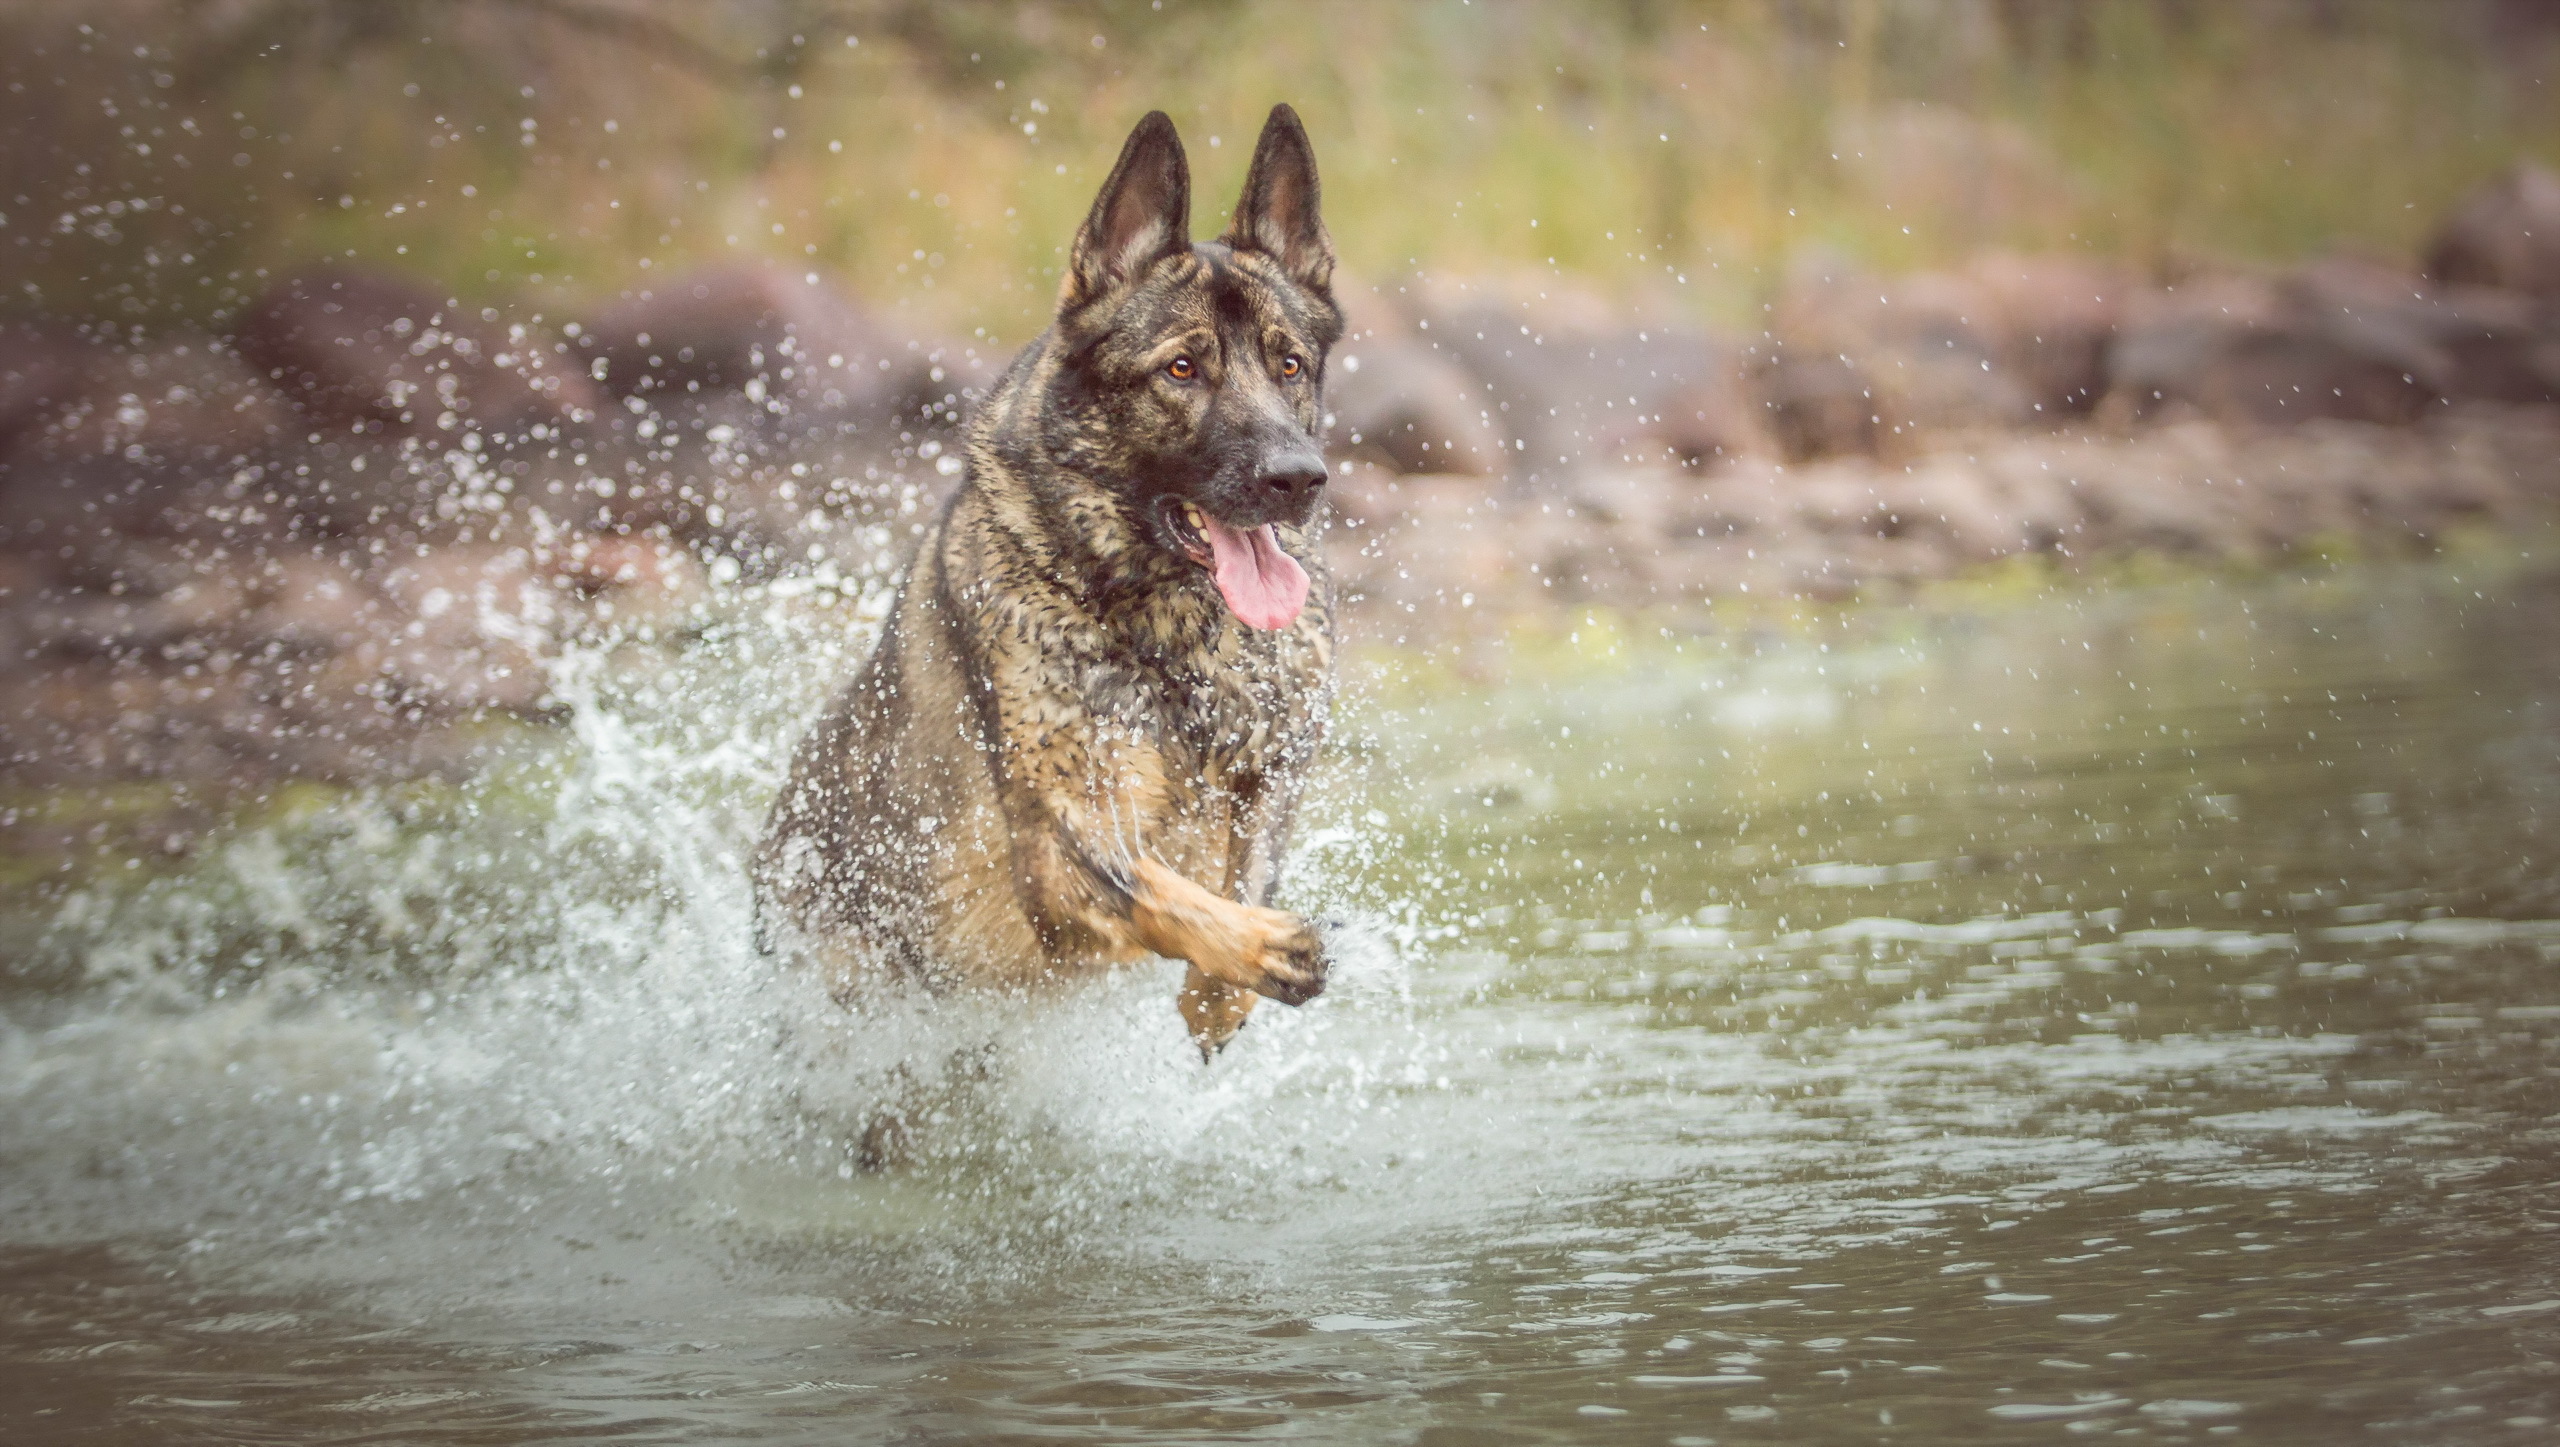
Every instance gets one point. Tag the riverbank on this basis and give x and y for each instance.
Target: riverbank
(1421, 554)
(746, 662)
(219, 654)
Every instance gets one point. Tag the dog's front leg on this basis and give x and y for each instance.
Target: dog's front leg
(1213, 1008)
(1084, 873)
(1237, 952)
(1266, 951)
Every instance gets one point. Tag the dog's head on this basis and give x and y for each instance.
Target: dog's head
(1189, 377)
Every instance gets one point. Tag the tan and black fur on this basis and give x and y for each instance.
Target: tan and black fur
(1067, 752)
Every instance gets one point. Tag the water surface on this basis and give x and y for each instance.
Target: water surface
(2130, 1015)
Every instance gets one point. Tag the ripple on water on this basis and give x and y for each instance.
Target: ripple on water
(2087, 1084)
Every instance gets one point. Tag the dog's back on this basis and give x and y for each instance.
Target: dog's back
(888, 853)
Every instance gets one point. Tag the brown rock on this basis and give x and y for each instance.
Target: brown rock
(2461, 342)
(1401, 400)
(67, 397)
(357, 349)
(2170, 336)
(2261, 351)
(1922, 346)
(781, 338)
(2504, 234)
(1823, 404)
(181, 398)
(45, 370)
(1573, 382)
(2050, 319)
(2299, 375)
(1858, 363)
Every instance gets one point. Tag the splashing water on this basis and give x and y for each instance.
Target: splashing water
(1731, 1041)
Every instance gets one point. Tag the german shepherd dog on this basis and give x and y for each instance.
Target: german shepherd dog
(1110, 662)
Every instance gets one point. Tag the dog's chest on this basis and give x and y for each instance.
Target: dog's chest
(1216, 701)
(1228, 727)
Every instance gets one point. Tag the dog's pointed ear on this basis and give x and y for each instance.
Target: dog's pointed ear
(1143, 214)
(1279, 213)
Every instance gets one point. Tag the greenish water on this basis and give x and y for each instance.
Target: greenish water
(2132, 1015)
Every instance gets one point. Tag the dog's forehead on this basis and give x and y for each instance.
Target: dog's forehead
(1250, 290)
(1214, 290)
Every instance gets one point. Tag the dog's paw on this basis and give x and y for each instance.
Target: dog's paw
(1213, 1010)
(1290, 961)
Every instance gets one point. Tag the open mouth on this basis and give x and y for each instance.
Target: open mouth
(1263, 586)
(1190, 527)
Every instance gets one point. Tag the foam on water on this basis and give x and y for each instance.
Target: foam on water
(407, 1021)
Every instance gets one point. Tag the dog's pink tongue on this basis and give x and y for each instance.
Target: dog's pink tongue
(1262, 585)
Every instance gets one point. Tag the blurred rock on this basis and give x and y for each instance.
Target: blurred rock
(2461, 342)
(2298, 374)
(2171, 336)
(183, 397)
(2340, 338)
(1823, 404)
(1858, 364)
(1397, 397)
(1922, 351)
(363, 350)
(784, 338)
(45, 371)
(2504, 234)
(2050, 320)
(1432, 558)
(2257, 350)
(770, 414)
(1574, 381)
(174, 657)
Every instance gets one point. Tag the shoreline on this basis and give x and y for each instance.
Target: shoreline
(67, 832)
(1840, 529)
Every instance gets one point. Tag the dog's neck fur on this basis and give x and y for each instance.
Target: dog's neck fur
(1077, 534)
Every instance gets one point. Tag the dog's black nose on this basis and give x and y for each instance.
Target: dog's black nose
(1296, 476)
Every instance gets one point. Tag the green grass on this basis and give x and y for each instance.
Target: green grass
(1684, 152)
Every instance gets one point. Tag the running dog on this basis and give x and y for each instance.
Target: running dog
(1110, 662)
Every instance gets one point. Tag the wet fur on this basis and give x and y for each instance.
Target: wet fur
(1067, 753)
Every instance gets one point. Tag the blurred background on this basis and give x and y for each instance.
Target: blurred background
(170, 156)
(319, 316)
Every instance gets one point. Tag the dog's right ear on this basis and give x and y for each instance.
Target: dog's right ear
(1142, 215)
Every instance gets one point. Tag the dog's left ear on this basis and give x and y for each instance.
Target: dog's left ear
(1278, 214)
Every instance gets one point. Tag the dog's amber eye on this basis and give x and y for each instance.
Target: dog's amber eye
(1290, 366)
(1182, 369)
